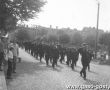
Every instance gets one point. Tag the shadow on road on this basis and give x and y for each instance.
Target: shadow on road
(32, 68)
(75, 70)
(93, 72)
(78, 66)
(59, 66)
(92, 82)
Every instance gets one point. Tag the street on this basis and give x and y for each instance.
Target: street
(35, 75)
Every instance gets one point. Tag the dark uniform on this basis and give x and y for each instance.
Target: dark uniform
(62, 54)
(84, 60)
(47, 54)
(76, 56)
(36, 51)
(55, 56)
(90, 58)
(69, 56)
(40, 51)
(73, 58)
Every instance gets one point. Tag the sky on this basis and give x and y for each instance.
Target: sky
(74, 14)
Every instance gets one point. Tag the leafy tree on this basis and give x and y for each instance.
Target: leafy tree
(52, 38)
(12, 11)
(41, 32)
(90, 40)
(64, 38)
(23, 35)
(60, 32)
(77, 39)
(105, 40)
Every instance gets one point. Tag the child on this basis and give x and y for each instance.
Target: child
(10, 63)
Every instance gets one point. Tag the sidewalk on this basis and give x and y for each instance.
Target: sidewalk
(2, 81)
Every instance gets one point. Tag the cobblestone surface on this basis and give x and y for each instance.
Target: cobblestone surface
(33, 75)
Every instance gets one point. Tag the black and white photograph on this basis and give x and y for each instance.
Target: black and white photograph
(54, 44)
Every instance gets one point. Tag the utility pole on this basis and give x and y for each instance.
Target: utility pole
(96, 43)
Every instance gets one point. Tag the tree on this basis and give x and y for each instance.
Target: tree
(23, 35)
(105, 40)
(12, 11)
(90, 40)
(77, 39)
(64, 38)
(41, 32)
(52, 38)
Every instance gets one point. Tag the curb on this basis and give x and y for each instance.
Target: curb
(3, 85)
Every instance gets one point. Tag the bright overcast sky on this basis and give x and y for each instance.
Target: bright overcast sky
(74, 14)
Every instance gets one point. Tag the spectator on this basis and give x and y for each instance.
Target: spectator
(10, 63)
(15, 56)
(1, 54)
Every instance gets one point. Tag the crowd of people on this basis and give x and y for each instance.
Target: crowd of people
(12, 56)
(52, 53)
(9, 52)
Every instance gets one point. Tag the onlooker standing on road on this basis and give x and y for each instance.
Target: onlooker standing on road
(15, 55)
(1, 54)
(10, 63)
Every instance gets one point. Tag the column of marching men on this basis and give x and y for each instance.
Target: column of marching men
(52, 53)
